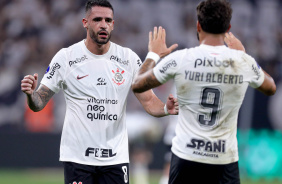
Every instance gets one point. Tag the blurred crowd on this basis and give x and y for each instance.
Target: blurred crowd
(33, 31)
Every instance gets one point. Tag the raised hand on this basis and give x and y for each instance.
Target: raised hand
(172, 105)
(29, 84)
(157, 42)
(233, 43)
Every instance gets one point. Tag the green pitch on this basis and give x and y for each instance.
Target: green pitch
(55, 176)
(46, 176)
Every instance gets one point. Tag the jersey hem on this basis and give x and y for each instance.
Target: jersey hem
(201, 160)
(94, 164)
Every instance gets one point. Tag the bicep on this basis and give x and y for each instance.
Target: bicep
(150, 80)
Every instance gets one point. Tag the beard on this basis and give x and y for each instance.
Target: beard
(95, 37)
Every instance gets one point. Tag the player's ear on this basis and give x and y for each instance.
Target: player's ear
(199, 28)
(113, 24)
(84, 22)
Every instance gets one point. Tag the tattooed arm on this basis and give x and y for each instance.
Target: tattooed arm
(145, 78)
(38, 99)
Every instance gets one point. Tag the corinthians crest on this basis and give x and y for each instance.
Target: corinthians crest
(118, 78)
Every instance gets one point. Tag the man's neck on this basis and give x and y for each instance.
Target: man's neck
(95, 48)
(212, 39)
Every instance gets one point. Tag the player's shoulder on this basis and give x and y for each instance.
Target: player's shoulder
(178, 55)
(120, 48)
(239, 54)
(124, 51)
(193, 50)
(245, 56)
(246, 61)
(125, 55)
(66, 55)
(235, 51)
(180, 52)
(72, 48)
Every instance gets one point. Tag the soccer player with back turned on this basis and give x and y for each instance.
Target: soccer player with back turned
(211, 82)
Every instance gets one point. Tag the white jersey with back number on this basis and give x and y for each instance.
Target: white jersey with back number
(95, 89)
(211, 82)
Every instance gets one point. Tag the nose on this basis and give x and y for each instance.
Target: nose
(103, 24)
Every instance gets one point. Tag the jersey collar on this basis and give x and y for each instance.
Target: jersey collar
(94, 55)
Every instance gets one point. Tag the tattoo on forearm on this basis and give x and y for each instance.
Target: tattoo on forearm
(150, 80)
(148, 64)
(40, 98)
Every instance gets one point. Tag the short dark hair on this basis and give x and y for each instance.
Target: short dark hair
(103, 3)
(214, 16)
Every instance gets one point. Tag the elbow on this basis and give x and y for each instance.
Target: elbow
(35, 109)
(272, 91)
(268, 87)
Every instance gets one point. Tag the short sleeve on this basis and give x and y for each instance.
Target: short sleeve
(255, 74)
(136, 62)
(168, 66)
(53, 76)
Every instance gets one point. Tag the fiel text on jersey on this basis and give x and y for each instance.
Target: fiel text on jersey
(99, 152)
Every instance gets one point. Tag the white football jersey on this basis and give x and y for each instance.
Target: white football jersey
(211, 82)
(95, 89)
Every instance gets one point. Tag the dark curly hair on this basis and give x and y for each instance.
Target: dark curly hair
(214, 16)
(103, 3)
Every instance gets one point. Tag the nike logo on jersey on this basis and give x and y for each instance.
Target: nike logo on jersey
(78, 78)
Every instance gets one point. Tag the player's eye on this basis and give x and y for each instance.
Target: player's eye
(97, 19)
(109, 20)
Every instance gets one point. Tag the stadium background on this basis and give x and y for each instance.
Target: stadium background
(32, 31)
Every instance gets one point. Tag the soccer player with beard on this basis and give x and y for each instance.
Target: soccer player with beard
(211, 81)
(95, 75)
